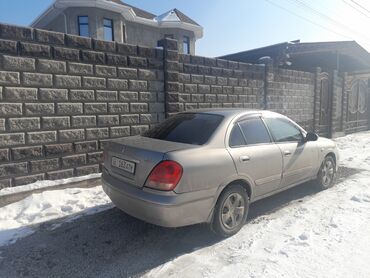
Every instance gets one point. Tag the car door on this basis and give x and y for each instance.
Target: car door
(298, 155)
(255, 155)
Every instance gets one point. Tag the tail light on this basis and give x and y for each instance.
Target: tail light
(165, 176)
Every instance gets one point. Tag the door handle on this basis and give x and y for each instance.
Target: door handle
(287, 153)
(244, 158)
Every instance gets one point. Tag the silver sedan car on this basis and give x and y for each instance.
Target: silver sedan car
(209, 165)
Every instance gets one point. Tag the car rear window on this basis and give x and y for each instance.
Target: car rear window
(189, 128)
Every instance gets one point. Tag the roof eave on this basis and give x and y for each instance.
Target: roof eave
(46, 12)
(350, 48)
(198, 30)
(279, 47)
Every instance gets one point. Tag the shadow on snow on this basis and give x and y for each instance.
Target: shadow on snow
(113, 244)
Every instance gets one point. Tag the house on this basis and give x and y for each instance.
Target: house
(113, 20)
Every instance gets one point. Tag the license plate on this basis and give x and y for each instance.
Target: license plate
(124, 165)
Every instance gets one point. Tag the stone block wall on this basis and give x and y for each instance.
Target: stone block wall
(195, 82)
(292, 93)
(215, 83)
(62, 97)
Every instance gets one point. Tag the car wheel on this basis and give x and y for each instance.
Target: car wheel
(231, 211)
(327, 173)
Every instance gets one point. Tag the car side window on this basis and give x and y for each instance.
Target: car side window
(236, 137)
(283, 131)
(254, 131)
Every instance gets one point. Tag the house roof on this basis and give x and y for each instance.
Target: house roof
(175, 15)
(340, 55)
(141, 13)
(145, 14)
(138, 12)
(183, 17)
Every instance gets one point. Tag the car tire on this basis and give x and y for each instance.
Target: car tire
(231, 211)
(327, 173)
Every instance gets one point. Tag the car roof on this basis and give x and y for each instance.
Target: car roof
(233, 112)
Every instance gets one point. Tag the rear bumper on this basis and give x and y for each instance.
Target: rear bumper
(163, 209)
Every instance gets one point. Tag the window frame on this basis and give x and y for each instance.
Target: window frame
(288, 121)
(111, 27)
(186, 40)
(236, 125)
(242, 119)
(83, 24)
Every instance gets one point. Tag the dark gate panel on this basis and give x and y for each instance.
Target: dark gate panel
(357, 109)
(324, 122)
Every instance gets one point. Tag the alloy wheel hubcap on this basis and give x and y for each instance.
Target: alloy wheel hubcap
(232, 212)
(327, 173)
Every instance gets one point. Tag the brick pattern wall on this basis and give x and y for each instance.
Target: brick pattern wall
(195, 82)
(214, 83)
(62, 97)
(292, 93)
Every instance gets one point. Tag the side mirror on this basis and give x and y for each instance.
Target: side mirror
(311, 136)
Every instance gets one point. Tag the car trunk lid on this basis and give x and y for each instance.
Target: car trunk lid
(132, 159)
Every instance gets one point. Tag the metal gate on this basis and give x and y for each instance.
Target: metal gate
(357, 108)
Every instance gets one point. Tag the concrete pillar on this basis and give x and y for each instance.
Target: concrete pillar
(345, 102)
(171, 76)
(316, 112)
(336, 105)
(269, 78)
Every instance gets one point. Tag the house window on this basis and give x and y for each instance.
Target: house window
(124, 35)
(186, 45)
(83, 26)
(108, 30)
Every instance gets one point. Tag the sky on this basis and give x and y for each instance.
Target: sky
(236, 25)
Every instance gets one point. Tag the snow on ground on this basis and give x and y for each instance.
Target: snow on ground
(323, 235)
(45, 184)
(21, 218)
